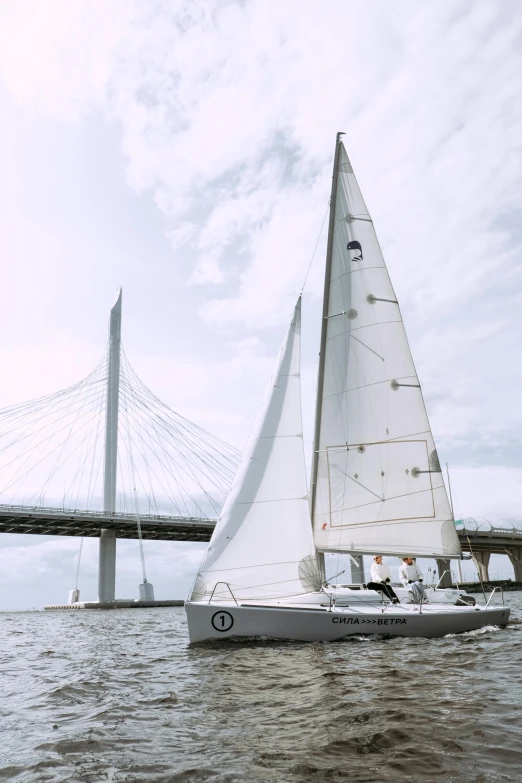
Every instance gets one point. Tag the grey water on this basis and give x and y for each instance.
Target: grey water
(121, 696)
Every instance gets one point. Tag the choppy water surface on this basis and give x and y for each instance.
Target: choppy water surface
(120, 696)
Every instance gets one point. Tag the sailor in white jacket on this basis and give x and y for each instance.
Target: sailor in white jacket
(381, 579)
(411, 577)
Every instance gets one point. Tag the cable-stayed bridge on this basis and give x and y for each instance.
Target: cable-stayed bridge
(106, 458)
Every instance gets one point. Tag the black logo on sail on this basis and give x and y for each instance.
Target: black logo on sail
(356, 246)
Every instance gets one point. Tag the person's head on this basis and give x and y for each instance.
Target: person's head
(408, 560)
(377, 559)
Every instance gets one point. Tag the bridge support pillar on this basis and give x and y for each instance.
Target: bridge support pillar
(357, 570)
(447, 579)
(74, 596)
(515, 555)
(481, 560)
(107, 558)
(146, 592)
(107, 566)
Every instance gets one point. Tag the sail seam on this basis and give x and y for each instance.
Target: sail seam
(398, 439)
(273, 437)
(272, 500)
(381, 522)
(385, 500)
(261, 565)
(357, 269)
(365, 386)
(366, 326)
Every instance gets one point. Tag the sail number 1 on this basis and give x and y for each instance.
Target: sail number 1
(222, 621)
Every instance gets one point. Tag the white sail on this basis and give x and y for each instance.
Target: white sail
(379, 487)
(262, 546)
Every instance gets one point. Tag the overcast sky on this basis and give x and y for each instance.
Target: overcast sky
(183, 151)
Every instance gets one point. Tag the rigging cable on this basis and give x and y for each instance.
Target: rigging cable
(138, 520)
(316, 246)
(78, 565)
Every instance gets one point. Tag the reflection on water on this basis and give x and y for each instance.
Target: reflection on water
(120, 696)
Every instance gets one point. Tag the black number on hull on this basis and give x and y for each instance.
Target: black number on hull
(222, 621)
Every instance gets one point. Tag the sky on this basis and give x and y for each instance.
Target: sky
(182, 150)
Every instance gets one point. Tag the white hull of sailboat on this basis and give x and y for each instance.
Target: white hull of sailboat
(377, 485)
(319, 624)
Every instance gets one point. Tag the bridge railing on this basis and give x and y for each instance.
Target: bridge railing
(40, 510)
(493, 532)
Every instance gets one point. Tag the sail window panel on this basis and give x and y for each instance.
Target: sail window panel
(374, 482)
(342, 526)
(371, 414)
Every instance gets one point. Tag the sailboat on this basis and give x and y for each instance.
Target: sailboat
(376, 482)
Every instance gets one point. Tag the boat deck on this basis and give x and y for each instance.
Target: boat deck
(362, 608)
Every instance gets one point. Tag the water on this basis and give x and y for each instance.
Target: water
(119, 696)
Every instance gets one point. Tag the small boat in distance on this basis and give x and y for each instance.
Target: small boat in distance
(376, 484)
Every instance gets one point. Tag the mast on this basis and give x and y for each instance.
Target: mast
(453, 515)
(107, 556)
(324, 325)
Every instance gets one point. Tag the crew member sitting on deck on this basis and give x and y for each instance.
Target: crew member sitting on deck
(381, 579)
(411, 577)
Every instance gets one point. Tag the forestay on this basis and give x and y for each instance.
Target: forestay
(262, 546)
(379, 484)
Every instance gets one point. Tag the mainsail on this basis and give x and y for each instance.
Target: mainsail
(262, 546)
(377, 482)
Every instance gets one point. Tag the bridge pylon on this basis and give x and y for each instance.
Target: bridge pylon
(106, 458)
(107, 553)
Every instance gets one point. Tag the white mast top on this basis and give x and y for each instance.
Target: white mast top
(377, 479)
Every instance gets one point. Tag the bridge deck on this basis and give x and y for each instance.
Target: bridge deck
(67, 522)
(496, 540)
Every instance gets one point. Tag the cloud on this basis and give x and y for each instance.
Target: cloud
(222, 117)
(236, 142)
(59, 59)
(491, 492)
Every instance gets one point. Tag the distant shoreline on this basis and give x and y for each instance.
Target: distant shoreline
(507, 585)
